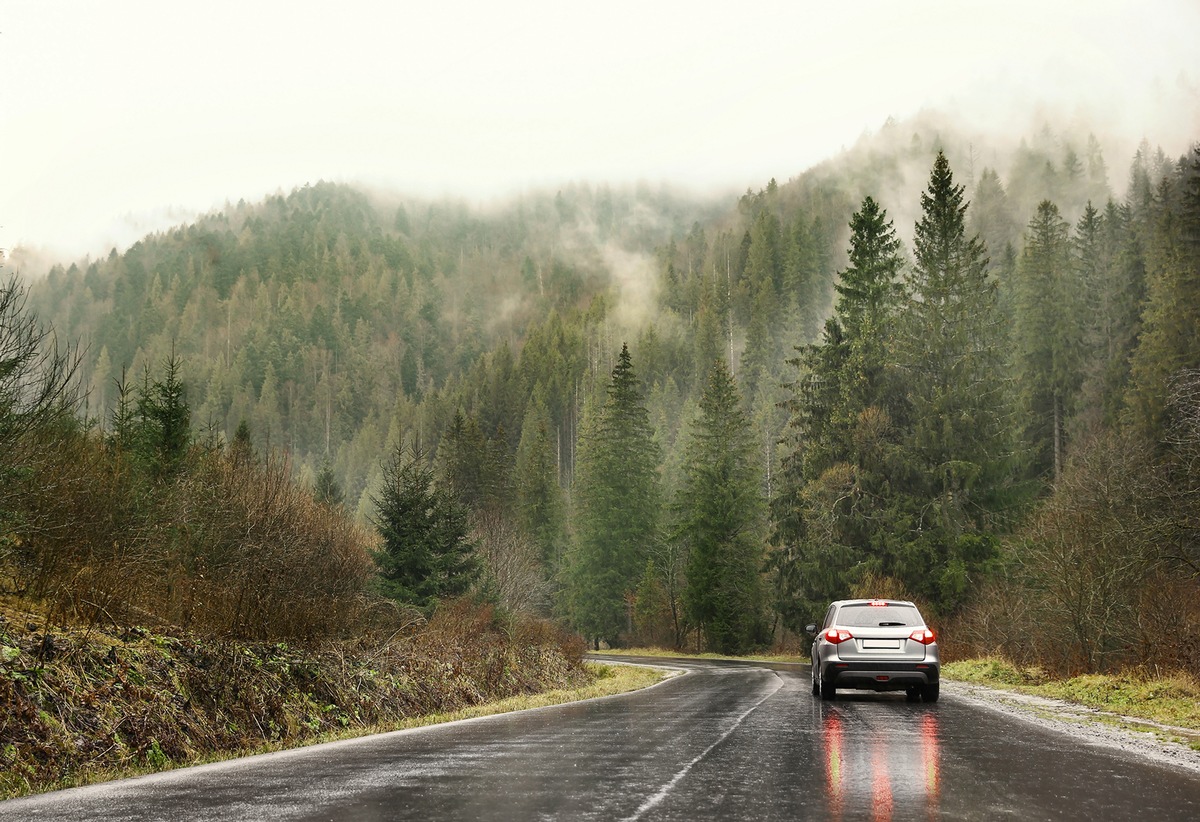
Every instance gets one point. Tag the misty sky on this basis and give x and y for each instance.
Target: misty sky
(119, 117)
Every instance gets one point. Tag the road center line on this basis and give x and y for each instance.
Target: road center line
(666, 789)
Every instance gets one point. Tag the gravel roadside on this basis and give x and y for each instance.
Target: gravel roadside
(1166, 744)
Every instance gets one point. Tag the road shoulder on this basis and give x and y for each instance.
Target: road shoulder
(1168, 745)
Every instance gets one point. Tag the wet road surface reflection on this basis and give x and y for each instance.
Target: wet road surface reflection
(870, 775)
(727, 741)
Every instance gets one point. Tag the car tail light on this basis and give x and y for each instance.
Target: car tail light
(878, 603)
(836, 635)
(922, 635)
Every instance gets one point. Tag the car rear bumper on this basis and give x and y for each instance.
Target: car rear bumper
(880, 676)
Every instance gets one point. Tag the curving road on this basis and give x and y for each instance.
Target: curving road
(726, 741)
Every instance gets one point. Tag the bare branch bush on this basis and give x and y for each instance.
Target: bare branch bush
(37, 375)
(1180, 488)
(511, 561)
(255, 555)
(482, 646)
(37, 390)
(87, 537)
(1002, 620)
(228, 547)
(1082, 567)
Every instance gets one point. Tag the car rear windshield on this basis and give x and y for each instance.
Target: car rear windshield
(873, 616)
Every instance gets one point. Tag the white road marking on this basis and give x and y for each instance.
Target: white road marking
(667, 788)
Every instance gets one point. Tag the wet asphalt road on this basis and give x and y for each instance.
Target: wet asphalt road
(726, 741)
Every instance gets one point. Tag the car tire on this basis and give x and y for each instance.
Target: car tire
(816, 689)
(929, 693)
(828, 691)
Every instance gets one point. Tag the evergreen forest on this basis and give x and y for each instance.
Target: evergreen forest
(929, 368)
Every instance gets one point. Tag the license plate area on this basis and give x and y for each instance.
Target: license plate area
(880, 644)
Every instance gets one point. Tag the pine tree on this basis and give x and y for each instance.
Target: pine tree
(803, 282)
(992, 218)
(1048, 338)
(165, 418)
(956, 450)
(834, 491)
(618, 507)
(1111, 261)
(465, 464)
(1170, 342)
(1097, 172)
(426, 553)
(327, 489)
(541, 508)
(1094, 269)
(123, 420)
(721, 515)
(869, 293)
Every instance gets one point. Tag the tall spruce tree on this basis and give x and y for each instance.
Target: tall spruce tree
(1095, 260)
(541, 507)
(1112, 263)
(618, 507)
(1048, 338)
(762, 283)
(834, 494)
(721, 512)
(956, 443)
(869, 293)
(992, 218)
(1170, 341)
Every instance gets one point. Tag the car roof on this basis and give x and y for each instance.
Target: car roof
(841, 602)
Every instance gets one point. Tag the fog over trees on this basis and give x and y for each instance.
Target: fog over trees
(904, 372)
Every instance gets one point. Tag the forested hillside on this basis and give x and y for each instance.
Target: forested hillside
(915, 369)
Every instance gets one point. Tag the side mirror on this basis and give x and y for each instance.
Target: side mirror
(811, 628)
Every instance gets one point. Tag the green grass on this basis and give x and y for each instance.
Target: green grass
(993, 671)
(1172, 699)
(608, 680)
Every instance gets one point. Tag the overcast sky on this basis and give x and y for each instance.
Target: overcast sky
(116, 116)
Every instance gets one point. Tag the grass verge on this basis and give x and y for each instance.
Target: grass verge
(1172, 700)
(608, 680)
(664, 653)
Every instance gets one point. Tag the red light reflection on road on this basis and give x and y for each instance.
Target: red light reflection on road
(882, 802)
(931, 759)
(834, 763)
(878, 775)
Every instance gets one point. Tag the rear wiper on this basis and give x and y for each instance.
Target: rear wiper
(891, 625)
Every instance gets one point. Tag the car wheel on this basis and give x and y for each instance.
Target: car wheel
(827, 690)
(929, 693)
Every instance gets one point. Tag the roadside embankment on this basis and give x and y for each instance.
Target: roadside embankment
(80, 706)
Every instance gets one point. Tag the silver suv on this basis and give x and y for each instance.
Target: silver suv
(876, 645)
